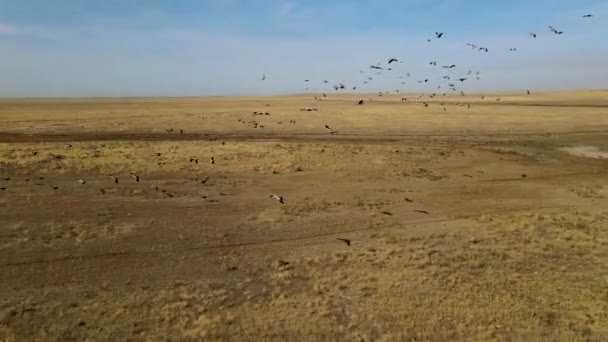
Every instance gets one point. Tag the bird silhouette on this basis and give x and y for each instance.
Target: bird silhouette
(346, 241)
(277, 198)
(588, 16)
(392, 60)
(439, 34)
(135, 177)
(533, 35)
(554, 30)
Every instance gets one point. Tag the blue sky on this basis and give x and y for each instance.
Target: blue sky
(222, 47)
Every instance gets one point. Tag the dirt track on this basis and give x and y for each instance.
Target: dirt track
(477, 235)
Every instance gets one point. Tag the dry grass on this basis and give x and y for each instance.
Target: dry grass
(462, 225)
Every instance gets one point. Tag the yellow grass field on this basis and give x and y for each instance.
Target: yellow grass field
(471, 219)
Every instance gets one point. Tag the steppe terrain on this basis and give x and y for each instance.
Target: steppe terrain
(479, 219)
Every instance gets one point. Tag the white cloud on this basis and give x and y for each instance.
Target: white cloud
(7, 29)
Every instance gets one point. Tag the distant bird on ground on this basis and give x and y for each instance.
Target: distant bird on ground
(360, 102)
(115, 179)
(277, 198)
(330, 130)
(554, 30)
(81, 181)
(439, 34)
(528, 92)
(433, 63)
(212, 160)
(135, 177)
(346, 241)
(422, 212)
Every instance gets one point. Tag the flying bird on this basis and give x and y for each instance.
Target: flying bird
(376, 67)
(330, 130)
(533, 35)
(201, 181)
(439, 34)
(277, 198)
(346, 241)
(263, 77)
(554, 30)
(588, 16)
(392, 60)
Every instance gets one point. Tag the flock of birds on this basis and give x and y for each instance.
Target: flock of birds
(448, 82)
(377, 69)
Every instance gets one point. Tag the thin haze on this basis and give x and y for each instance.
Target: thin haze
(73, 48)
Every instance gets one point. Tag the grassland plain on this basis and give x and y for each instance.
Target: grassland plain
(150, 218)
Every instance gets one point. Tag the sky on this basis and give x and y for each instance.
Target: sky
(120, 48)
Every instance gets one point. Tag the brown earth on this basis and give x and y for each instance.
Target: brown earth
(480, 223)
